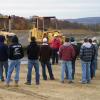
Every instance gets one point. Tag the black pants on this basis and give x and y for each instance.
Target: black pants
(48, 64)
(55, 56)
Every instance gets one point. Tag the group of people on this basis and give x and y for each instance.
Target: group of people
(66, 52)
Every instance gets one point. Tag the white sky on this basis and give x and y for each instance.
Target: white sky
(58, 8)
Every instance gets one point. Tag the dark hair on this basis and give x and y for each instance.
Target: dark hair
(90, 40)
(14, 39)
(66, 39)
(72, 39)
(86, 40)
(33, 39)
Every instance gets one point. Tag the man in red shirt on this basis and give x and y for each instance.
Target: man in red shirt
(67, 54)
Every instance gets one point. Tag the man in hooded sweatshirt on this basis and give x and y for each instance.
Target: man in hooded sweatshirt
(15, 53)
(86, 55)
(67, 54)
(33, 50)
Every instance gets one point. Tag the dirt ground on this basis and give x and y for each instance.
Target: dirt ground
(52, 90)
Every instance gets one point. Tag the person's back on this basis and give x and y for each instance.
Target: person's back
(33, 51)
(3, 52)
(66, 52)
(45, 53)
(86, 52)
(15, 51)
(3, 57)
(33, 55)
(86, 56)
(15, 54)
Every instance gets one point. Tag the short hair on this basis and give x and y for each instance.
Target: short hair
(15, 39)
(33, 39)
(67, 39)
(86, 40)
(90, 40)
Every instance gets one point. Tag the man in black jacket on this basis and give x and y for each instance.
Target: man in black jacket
(45, 54)
(15, 53)
(3, 57)
(33, 55)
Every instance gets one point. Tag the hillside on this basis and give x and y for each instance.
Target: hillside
(87, 20)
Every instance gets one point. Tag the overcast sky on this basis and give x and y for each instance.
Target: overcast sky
(58, 8)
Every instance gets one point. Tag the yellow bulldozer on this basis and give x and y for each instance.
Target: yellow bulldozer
(39, 35)
(39, 32)
(8, 36)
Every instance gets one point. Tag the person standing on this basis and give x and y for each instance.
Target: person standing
(94, 63)
(3, 58)
(74, 44)
(86, 55)
(45, 54)
(33, 55)
(91, 65)
(15, 53)
(55, 44)
(66, 54)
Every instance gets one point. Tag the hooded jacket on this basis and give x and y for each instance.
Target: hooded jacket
(33, 51)
(66, 52)
(86, 52)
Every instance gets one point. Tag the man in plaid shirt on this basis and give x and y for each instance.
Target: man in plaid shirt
(86, 55)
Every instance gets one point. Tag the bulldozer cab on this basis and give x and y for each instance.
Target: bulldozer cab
(43, 29)
(8, 36)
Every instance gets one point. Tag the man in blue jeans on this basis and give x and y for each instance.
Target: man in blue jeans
(86, 56)
(33, 54)
(15, 53)
(67, 54)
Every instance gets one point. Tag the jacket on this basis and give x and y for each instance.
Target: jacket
(55, 43)
(3, 52)
(86, 52)
(45, 52)
(15, 51)
(33, 51)
(66, 52)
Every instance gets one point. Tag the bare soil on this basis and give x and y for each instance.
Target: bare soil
(52, 89)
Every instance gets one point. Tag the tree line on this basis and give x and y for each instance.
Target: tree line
(21, 23)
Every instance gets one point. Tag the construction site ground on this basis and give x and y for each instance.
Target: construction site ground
(52, 89)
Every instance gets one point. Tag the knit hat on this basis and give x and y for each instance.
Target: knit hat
(72, 39)
(45, 40)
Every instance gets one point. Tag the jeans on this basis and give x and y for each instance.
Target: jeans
(66, 65)
(55, 56)
(13, 64)
(94, 66)
(48, 64)
(86, 75)
(5, 65)
(73, 69)
(32, 63)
